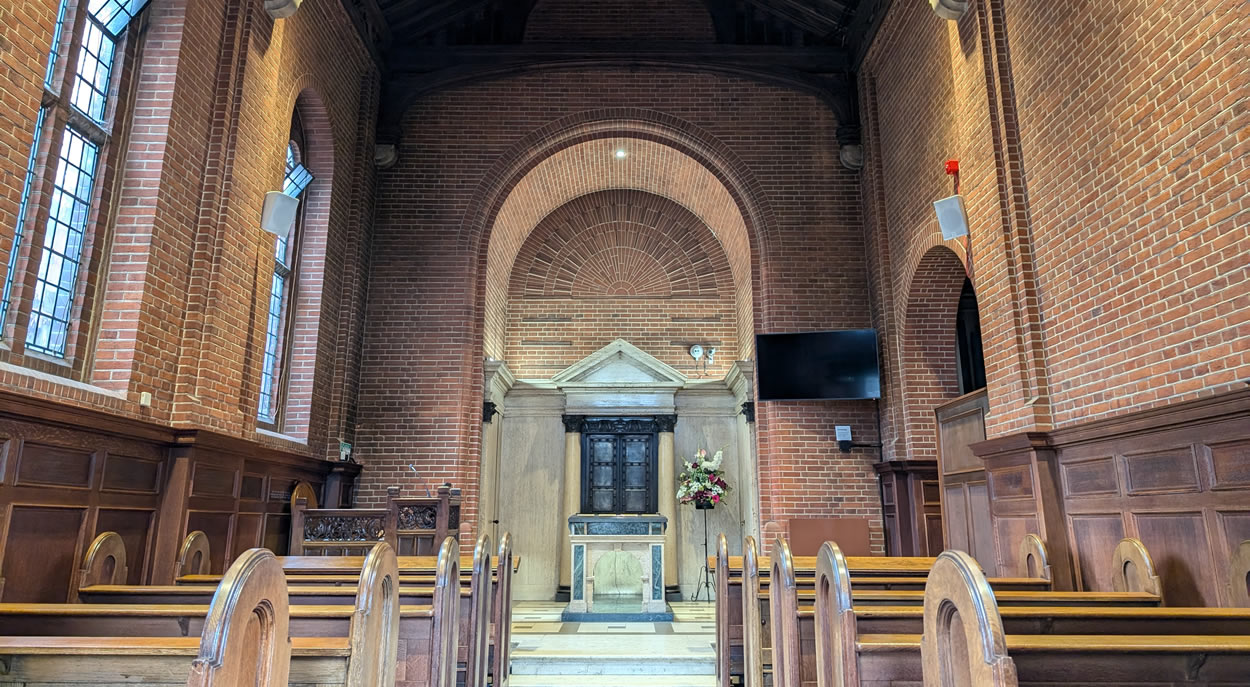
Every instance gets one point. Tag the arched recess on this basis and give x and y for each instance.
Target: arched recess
(310, 273)
(618, 264)
(576, 156)
(930, 351)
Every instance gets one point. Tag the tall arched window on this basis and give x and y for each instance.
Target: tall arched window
(61, 196)
(276, 362)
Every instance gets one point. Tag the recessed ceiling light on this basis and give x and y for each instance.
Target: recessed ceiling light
(620, 153)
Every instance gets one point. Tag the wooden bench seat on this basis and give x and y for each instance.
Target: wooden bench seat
(843, 654)
(1035, 620)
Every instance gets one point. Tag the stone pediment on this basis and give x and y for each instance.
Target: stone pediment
(620, 364)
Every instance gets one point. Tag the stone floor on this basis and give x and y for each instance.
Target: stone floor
(550, 653)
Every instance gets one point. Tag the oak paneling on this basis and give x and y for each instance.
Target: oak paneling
(982, 528)
(1090, 477)
(1169, 471)
(1230, 463)
(41, 464)
(210, 481)
(218, 528)
(1011, 483)
(135, 527)
(1179, 545)
(42, 553)
(129, 474)
(1094, 538)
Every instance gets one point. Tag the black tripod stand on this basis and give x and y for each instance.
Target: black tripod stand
(704, 586)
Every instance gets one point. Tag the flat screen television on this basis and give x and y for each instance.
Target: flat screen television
(834, 365)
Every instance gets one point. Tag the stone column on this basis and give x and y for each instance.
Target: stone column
(667, 495)
(572, 496)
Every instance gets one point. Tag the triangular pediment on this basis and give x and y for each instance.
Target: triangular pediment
(619, 364)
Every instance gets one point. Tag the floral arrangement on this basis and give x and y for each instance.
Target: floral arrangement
(703, 481)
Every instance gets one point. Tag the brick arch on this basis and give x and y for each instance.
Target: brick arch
(672, 20)
(618, 264)
(930, 367)
(310, 273)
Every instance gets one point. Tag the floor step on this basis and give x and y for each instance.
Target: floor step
(612, 681)
(616, 664)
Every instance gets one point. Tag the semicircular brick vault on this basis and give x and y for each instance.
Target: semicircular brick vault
(619, 264)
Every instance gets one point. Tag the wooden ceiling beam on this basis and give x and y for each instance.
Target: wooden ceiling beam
(815, 60)
(800, 14)
(863, 27)
(434, 16)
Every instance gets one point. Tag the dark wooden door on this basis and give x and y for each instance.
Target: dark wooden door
(618, 473)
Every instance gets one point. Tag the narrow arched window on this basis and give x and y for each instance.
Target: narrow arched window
(41, 302)
(276, 363)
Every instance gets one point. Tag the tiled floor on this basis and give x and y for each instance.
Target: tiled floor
(549, 653)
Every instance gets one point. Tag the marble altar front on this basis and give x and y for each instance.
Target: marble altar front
(593, 536)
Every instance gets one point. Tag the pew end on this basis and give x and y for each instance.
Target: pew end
(783, 607)
(752, 639)
(1239, 577)
(375, 621)
(501, 663)
(246, 638)
(193, 557)
(105, 561)
(446, 615)
(1032, 558)
(963, 644)
(836, 661)
(478, 630)
(722, 622)
(1133, 570)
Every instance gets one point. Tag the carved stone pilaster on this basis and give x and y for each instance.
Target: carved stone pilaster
(573, 423)
(665, 423)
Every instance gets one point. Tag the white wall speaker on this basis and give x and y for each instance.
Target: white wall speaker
(952, 217)
(278, 215)
(281, 9)
(949, 9)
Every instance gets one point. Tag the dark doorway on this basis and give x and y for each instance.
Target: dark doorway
(968, 341)
(619, 466)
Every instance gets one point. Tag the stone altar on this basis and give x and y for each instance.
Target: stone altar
(642, 536)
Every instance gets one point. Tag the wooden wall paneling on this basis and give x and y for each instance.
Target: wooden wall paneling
(248, 529)
(982, 528)
(1180, 546)
(961, 475)
(44, 543)
(956, 529)
(1093, 540)
(134, 526)
(171, 517)
(910, 495)
(219, 526)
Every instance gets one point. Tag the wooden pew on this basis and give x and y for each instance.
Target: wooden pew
(193, 557)
(964, 644)
(885, 574)
(412, 525)
(473, 617)
(845, 639)
(245, 640)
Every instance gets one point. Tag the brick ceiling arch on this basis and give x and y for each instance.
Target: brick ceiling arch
(622, 243)
(593, 166)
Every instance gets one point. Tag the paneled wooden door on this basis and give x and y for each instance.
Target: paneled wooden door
(619, 473)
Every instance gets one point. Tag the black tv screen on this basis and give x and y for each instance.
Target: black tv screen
(818, 365)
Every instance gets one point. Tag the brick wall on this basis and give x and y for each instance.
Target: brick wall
(182, 274)
(1102, 184)
(620, 264)
(459, 192)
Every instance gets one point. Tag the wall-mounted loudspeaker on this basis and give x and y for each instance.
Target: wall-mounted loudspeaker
(278, 215)
(949, 9)
(952, 217)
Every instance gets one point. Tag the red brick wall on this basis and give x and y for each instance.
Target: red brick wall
(1103, 189)
(620, 264)
(773, 149)
(184, 277)
(619, 20)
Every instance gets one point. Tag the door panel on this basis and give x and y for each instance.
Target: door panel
(620, 473)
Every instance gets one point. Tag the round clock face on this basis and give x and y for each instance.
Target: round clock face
(696, 351)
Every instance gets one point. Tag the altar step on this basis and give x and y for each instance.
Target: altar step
(591, 663)
(612, 681)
